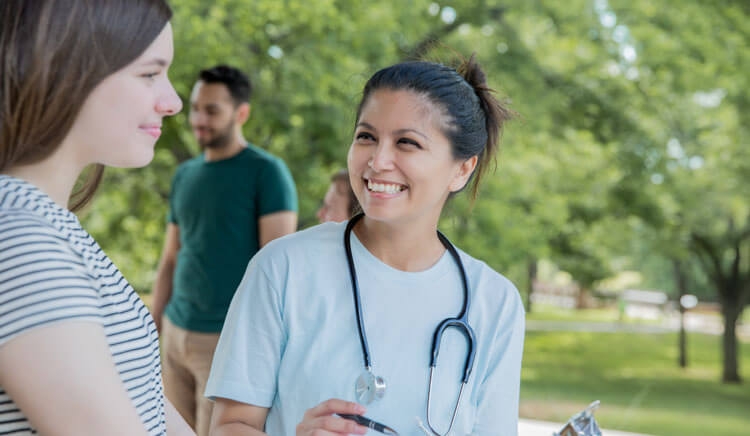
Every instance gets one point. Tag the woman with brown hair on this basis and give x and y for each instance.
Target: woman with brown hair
(81, 83)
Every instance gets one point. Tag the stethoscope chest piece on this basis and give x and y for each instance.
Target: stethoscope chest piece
(369, 387)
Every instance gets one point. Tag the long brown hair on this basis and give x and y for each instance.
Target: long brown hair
(53, 53)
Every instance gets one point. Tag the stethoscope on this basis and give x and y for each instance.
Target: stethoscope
(370, 387)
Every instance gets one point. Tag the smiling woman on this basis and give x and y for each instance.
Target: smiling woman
(140, 95)
(81, 82)
(348, 318)
(395, 170)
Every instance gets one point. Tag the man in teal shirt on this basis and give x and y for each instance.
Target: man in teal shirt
(224, 206)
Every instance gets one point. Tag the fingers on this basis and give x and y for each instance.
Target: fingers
(319, 420)
(335, 406)
(335, 425)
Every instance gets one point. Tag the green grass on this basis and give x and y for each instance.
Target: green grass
(637, 379)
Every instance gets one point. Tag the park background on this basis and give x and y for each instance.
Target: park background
(628, 167)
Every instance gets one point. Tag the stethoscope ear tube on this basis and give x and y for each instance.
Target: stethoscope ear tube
(468, 332)
(455, 408)
(461, 321)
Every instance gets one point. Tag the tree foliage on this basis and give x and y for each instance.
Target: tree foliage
(633, 123)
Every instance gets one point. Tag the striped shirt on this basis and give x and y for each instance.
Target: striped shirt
(52, 271)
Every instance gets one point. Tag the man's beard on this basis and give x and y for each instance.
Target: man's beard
(222, 139)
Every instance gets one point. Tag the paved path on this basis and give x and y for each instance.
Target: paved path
(668, 326)
(598, 327)
(530, 427)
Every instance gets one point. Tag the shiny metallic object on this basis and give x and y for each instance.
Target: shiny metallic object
(582, 423)
(455, 408)
(369, 387)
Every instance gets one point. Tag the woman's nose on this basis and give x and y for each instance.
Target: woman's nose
(169, 103)
(381, 158)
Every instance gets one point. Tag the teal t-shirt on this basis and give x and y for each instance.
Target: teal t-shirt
(216, 206)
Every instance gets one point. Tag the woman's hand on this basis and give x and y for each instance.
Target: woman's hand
(319, 420)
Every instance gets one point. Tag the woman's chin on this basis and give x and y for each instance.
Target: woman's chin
(134, 160)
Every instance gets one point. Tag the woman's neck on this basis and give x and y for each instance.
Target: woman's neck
(405, 247)
(51, 176)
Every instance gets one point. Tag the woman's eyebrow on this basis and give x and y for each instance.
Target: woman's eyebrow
(402, 131)
(396, 132)
(156, 61)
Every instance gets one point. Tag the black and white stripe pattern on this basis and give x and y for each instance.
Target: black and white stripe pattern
(51, 270)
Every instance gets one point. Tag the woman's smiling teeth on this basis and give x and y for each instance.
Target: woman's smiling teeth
(387, 188)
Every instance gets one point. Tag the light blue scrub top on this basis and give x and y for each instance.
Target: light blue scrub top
(290, 339)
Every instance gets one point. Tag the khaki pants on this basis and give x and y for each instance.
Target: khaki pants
(187, 360)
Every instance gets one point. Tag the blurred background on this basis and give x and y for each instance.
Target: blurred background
(623, 185)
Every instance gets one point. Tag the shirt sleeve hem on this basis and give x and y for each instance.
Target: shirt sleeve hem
(237, 392)
(20, 332)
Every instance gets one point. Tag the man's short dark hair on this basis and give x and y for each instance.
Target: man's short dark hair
(236, 81)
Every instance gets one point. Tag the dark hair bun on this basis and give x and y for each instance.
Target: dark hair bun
(472, 72)
(496, 114)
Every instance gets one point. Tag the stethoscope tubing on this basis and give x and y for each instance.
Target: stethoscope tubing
(355, 290)
(460, 322)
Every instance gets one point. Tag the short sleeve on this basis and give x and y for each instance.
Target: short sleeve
(276, 191)
(42, 280)
(500, 390)
(247, 358)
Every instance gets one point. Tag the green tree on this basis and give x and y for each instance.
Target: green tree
(692, 99)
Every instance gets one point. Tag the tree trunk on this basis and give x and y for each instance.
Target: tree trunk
(731, 313)
(733, 287)
(582, 299)
(531, 279)
(681, 282)
(683, 340)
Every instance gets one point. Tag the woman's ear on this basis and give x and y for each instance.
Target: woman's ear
(464, 172)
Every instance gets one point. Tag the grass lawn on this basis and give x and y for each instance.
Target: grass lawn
(637, 380)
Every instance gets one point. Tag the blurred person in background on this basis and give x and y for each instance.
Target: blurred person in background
(339, 203)
(225, 204)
